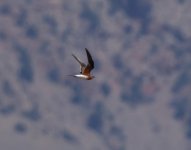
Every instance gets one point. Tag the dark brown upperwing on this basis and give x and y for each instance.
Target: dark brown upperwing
(90, 64)
(90, 60)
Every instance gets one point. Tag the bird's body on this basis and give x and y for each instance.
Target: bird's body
(81, 76)
(85, 69)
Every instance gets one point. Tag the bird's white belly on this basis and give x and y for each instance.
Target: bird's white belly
(81, 76)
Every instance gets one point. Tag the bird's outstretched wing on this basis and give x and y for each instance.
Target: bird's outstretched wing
(90, 64)
(82, 65)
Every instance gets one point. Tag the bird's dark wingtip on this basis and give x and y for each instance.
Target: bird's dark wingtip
(86, 49)
(90, 60)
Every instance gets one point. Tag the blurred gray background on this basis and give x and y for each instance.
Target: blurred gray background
(140, 98)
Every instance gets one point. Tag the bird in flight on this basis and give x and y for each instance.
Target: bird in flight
(85, 69)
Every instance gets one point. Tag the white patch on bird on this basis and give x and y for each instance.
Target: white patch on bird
(81, 76)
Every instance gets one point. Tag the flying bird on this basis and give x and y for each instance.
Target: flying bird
(85, 69)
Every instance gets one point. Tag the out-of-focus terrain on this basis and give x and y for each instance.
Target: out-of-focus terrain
(140, 98)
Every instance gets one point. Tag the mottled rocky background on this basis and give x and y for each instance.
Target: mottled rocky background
(140, 98)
